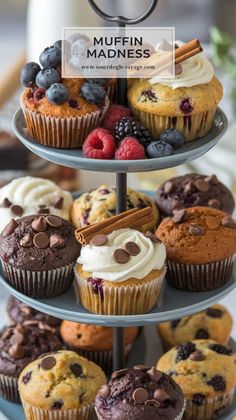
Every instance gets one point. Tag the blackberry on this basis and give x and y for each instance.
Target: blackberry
(201, 334)
(129, 127)
(214, 312)
(218, 348)
(184, 351)
(175, 323)
(198, 399)
(217, 382)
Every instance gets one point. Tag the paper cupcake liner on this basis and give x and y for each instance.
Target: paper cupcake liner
(65, 133)
(34, 413)
(40, 284)
(192, 126)
(199, 277)
(211, 408)
(9, 388)
(129, 300)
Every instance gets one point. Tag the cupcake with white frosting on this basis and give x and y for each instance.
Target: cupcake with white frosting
(186, 102)
(120, 273)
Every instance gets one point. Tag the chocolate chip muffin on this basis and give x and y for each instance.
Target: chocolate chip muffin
(214, 323)
(206, 372)
(95, 342)
(194, 190)
(19, 345)
(19, 312)
(140, 393)
(200, 244)
(38, 254)
(60, 385)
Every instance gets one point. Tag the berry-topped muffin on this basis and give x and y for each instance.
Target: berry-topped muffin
(206, 372)
(186, 102)
(59, 112)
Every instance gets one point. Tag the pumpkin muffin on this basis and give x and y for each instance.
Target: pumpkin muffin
(186, 102)
(200, 244)
(206, 372)
(214, 323)
(95, 342)
(60, 385)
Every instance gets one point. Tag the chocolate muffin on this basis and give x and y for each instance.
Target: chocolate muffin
(19, 312)
(20, 344)
(142, 393)
(38, 255)
(194, 190)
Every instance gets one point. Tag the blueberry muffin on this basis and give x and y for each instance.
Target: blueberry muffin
(60, 385)
(100, 204)
(186, 102)
(20, 344)
(206, 372)
(214, 323)
(193, 190)
(193, 237)
(29, 195)
(19, 312)
(38, 255)
(95, 342)
(141, 393)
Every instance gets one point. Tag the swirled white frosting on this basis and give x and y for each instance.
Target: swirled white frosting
(31, 192)
(195, 71)
(99, 260)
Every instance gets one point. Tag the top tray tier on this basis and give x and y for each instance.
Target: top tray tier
(73, 157)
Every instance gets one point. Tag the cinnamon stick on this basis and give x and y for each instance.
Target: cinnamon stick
(187, 55)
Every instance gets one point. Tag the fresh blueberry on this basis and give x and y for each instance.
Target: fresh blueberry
(58, 44)
(173, 137)
(66, 46)
(46, 77)
(50, 57)
(57, 94)
(157, 149)
(29, 73)
(93, 92)
(100, 82)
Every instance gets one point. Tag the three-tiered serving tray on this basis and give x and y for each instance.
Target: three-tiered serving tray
(174, 303)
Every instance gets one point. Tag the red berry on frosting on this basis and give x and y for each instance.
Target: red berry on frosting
(99, 144)
(130, 149)
(113, 115)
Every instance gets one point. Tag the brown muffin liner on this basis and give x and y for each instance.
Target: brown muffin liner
(40, 284)
(212, 407)
(9, 388)
(192, 126)
(64, 133)
(130, 300)
(34, 413)
(199, 277)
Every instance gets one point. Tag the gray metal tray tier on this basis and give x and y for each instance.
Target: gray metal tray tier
(73, 157)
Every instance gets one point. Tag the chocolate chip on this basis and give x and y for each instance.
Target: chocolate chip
(105, 391)
(6, 203)
(212, 179)
(156, 403)
(189, 187)
(143, 368)
(119, 374)
(195, 230)
(161, 395)
(26, 241)
(40, 224)
(214, 312)
(198, 399)
(16, 351)
(41, 240)
(19, 328)
(58, 404)
(140, 395)
(201, 334)
(43, 210)
(151, 236)
(58, 203)
(16, 210)
(17, 338)
(197, 356)
(154, 374)
(178, 68)
(99, 240)
(228, 221)
(179, 216)
(132, 248)
(56, 241)
(175, 323)
(121, 256)
(54, 221)
(26, 378)
(169, 186)
(48, 363)
(76, 369)
(10, 228)
(214, 203)
(202, 185)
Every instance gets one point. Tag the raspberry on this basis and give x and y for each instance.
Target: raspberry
(99, 144)
(130, 149)
(113, 115)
